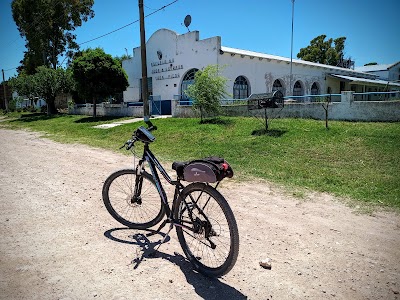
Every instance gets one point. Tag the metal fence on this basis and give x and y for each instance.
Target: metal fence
(314, 98)
(377, 96)
(306, 99)
(288, 99)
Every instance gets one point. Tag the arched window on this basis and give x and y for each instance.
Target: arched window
(241, 88)
(298, 89)
(314, 89)
(187, 80)
(277, 86)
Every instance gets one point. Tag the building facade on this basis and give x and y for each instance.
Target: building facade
(173, 59)
(390, 72)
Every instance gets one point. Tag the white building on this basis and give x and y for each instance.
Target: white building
(390, 72)
(173, 59)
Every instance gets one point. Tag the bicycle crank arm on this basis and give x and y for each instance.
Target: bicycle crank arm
(159, 228)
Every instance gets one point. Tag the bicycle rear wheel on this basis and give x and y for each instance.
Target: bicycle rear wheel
(138, 212)
(209, 235)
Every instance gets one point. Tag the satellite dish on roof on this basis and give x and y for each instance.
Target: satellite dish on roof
(187, 21)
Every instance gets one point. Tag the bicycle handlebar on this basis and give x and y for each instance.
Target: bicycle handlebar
(150, 126)
(130, 143)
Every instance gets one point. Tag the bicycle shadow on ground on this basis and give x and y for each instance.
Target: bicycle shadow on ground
(206, 287)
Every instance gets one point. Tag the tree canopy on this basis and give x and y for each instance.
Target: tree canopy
(24, 85)
(47, 26)
(51, 83)
(208, 89)
(46, 83)
(322, 51)
(123, 57)
(98, 74)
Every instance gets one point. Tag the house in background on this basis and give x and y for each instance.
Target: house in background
(389, 72)
(24, 102)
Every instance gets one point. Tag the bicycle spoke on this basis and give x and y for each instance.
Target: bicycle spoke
(209, 238)
(143, 211)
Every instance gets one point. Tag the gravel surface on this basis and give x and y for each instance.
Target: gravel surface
(59, 242)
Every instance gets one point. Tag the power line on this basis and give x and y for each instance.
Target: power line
(152, 13)
(101, 36)
(10, 69)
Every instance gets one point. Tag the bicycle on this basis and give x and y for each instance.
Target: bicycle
(205, 225)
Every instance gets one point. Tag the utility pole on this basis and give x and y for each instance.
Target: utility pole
(145, 91)
(5, 94)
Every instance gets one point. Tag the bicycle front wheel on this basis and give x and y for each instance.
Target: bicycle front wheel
(139, 211)
(207, 229)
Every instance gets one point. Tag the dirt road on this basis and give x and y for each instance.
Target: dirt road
(58, 241)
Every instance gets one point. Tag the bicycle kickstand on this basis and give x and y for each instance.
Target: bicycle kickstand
(153, 253)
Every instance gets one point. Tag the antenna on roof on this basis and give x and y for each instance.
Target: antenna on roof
(187, 21)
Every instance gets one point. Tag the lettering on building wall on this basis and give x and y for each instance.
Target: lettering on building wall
(167, 69)
(162, 62)
(169, 76)
(163, 69)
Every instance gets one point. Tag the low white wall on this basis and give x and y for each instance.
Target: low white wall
(104, 109)
(347, 109)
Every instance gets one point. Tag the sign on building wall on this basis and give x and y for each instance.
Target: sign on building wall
(165, 66)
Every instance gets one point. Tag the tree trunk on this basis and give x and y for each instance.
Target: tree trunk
(51, 106)
(326, 117)
(326, 107)
(94, 108)
(266, 119)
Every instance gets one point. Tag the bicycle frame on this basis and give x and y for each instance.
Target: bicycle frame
(154, 164)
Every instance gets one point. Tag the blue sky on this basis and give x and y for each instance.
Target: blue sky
(371, 27)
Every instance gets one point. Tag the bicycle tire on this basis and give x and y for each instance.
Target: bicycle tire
(225, 235)
(118, 190)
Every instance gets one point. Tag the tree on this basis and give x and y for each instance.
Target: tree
(25, 85)
(46, 83)
(97, 74)
(47, 26)
(207, 90)
(325, 103)
(50, 83)
(321, 51)
(123, 57)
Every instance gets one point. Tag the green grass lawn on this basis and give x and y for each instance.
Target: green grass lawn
(355, 160)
